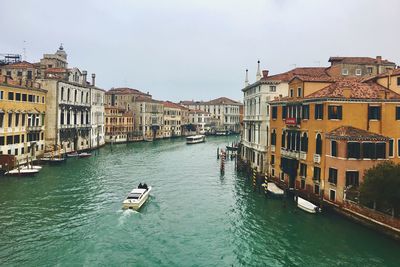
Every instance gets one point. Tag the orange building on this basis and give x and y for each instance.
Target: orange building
(119, 125)
(327, 133)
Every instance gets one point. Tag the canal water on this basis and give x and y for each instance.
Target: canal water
(70, 215)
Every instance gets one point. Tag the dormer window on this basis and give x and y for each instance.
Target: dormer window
(358, 72)
(291, 92)
(299, 92)
(345, 72)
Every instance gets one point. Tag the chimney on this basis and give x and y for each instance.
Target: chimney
(93, 79)
(258, 75)
(84, 74)
(379, 59)
(265, 73)
(246, 80)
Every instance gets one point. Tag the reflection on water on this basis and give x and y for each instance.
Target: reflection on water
(196, 216)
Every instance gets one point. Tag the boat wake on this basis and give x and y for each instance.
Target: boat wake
(125, 214)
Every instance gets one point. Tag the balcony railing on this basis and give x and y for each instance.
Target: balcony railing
(317, 158)
(303, 155)
(272, 148)
(34, 128)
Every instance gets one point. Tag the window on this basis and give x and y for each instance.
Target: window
(334, 148)
(273, 172)
(284, 112)
(68, 94)
(398, 113)
(9, 119)
(274, 112)
(30, 98)
(352, 178)
(24, 97)
(305, 112)
(299, 92)
(2, 141)
(19, 73)
(317, 174)
(303, 170)
(282, 176)
(291, 93)
(332, 195)
(380, 150)
(10, 140)
(316, 189)
(391, 148)
(272, 159)
(283, 139)
(318, 145)
(398, 147)
(374, 113)
(368, 150)
(369, 70)
(272, 88)
(398, 81)
(332, 176)
(334, 112)
(302, 183)
(1, 94)
(16, 119)
(345, 72)
(358, 72)
(10, 95)
(304, 143)
(18, 96)
(1, 119)
(319, 111)
(353, 150)
(29, 75)
(273, 137)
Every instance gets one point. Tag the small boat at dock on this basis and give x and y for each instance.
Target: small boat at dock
(73, 154)
(137, 197)
(307, 205)
(195, 139)
(84, 155)
(53, 160)
(22, 172)
(273, 190)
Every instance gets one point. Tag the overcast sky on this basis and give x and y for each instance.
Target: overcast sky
(198, 49)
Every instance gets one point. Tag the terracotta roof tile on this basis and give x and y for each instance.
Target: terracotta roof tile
(170, 104)
(359, 60)
(127, 91)
(356, 134)
(353, 89)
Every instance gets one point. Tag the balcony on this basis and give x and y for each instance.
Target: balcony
(272, 148)
(303, 155)
(317, 158)
(293, 122)
(290, 154)
(34, 128)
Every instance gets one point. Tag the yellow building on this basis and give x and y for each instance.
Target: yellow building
(22, 117)
(172, 119)
(322, 141)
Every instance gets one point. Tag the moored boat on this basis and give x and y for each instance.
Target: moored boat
(307, 205)
(195, 139)
(137, 197)
(73, 154)
(273, 190)
(54, 160)
(84, 155)
(30, 166)
(22, 172)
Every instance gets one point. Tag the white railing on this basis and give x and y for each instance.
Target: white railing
(272, 148)
(303, 155)
(317, 158)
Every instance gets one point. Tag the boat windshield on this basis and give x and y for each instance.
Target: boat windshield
(134, 196)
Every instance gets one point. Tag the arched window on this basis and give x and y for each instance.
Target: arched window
(62, 93)
(76, 93)
(87, 97)
(81, 97)
(68, 95)
(297, 141)
(283, 138)
(304, 142)
(318, 144)
(273, 137)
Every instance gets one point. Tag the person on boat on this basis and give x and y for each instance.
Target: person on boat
(145, 186)
(140, 185)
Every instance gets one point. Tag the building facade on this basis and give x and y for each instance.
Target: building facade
(201, 120)
(22, 120)
(119, 125)
(322, 143)
(172, 119)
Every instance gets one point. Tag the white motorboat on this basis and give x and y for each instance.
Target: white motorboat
(84, 155)
(195, 139)
(273, 190)
(136, 198)
(22, 172)
(73, 154)
(30, 166)
(307, 205)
